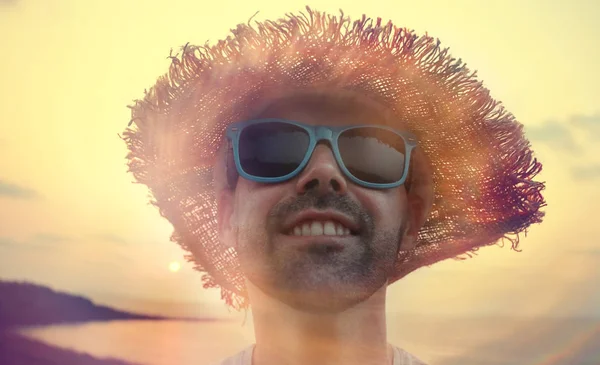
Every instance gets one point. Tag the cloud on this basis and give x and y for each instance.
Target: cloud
(590, 124)
(39, 241)
(563, 134)
(576, 139)
(15, 191)
(554, 133)
(586, 172)
(7, 242)
(589, 252)
(50, 238)
(111, 237)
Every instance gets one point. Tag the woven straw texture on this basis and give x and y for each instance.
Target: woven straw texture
(483, 167)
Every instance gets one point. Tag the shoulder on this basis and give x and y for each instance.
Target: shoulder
(243, 357)
(401, 357)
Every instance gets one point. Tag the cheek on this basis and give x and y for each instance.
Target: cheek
(388, 207)
(252, 204)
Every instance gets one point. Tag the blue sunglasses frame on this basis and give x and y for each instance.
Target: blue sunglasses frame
(317, 134)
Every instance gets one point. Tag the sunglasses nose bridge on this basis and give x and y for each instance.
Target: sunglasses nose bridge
(323, 134)
(322, 171)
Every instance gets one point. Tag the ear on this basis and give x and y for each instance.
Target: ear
(225, 197)
(225, 218)
(419, 198)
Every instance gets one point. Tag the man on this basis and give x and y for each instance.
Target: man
(309, 163)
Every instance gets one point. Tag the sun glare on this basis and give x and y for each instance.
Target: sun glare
(174, 266)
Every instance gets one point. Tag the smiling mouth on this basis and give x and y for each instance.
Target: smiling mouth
(315, 228)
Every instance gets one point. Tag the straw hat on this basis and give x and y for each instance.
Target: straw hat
(482, 165)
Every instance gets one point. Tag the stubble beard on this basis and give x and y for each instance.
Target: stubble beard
(320, 282)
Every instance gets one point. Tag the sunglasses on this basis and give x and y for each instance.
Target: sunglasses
(276, 150)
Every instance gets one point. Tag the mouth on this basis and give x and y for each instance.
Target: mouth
(314, 228)
(321, 224)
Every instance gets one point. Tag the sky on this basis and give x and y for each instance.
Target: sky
(71, 218)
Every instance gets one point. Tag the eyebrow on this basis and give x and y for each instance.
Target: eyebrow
(328, 104)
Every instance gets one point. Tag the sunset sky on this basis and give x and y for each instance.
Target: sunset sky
(71, 218)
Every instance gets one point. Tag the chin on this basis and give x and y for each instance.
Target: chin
(324, 304)
(323, 298)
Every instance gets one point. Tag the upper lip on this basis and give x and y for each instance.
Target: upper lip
(321, 215)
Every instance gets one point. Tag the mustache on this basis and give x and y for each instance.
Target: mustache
(341, 203)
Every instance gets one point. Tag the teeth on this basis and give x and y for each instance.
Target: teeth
(329, 228)
(306, 229)
(319, 228)
(297, 231)
(316, 228)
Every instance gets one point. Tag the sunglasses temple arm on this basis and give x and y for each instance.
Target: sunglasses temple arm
(408, 179)
(232, 175)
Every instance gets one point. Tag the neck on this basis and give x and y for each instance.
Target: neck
(286, 336)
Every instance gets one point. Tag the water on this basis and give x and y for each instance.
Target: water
(438, 342)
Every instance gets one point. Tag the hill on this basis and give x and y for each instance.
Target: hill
(18, 350)
(26, 304)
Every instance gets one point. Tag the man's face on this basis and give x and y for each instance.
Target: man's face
(315, 271)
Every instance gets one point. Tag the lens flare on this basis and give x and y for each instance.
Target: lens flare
(174, 266)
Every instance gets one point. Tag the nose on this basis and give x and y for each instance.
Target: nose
(322, 174)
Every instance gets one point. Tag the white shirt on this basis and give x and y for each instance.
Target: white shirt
(244, 357)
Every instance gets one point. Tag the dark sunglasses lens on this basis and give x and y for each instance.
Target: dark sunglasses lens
(272, 149)
(374, 155)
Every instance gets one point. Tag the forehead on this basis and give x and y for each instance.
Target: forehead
(325, 109)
